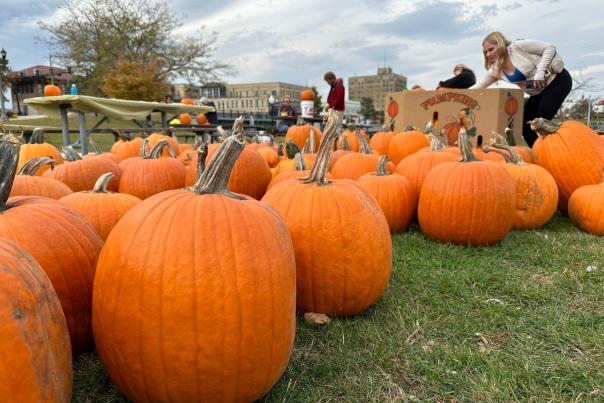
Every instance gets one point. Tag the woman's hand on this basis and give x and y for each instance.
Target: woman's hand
(539, 84)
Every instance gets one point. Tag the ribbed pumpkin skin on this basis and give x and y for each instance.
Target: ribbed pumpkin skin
(34, 342)
(470, 203)
(126, 149)
(270, 155)
(416, 166)
(207, 312)
(145, 177)
(380, 140)
(574, 155)
(30, 151)
(355, 165)
(251, 174)
(343, 264)
(66, 245)
(536, 195)
(26, 185)
(406, 143)
(82, 174)
(283, 176)
(585, 208)
(103, 210)
(300, 133)
(396, 196)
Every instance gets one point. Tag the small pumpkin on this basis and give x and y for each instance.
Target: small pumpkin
(27, 183)
(37, 147)
(201, 119)
(51, 90)
(585, 208)
(185, 119)
(126, 146)
(307, 95)
(187, 101)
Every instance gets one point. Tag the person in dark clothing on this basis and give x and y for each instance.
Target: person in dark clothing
(212, 118)
(335, 99)
(286, 108)
(463, 77)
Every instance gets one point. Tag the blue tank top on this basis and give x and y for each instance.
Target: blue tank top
(516, 76)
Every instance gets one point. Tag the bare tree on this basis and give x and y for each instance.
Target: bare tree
(93, 35)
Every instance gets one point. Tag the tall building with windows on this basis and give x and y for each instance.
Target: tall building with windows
(376, 86)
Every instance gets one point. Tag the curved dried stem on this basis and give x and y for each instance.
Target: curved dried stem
(543, 127)
(157, 149)
(317, 174)
(381, 166)
(100, 186)
(143, 150)
(9, 158)
(37, 136)
(215, 178)
(70, 154)
(300, 162)
(515, 157)
(202, 154)
(31, 167)
(505, 156)
(122, 136)
(95, 146)
(364, 147)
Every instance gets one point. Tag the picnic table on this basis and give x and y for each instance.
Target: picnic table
(108, 108)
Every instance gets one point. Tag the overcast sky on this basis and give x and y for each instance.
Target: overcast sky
(297, 42)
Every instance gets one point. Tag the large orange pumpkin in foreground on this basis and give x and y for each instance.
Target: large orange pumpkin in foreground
(341, 237)
(60, 239)
(197, 312)
(34, 342)
(471, 202)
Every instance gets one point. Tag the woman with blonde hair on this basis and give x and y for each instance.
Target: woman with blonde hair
(463, 77)
(533, 65)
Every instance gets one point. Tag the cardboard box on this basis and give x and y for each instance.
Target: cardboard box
(487, 110)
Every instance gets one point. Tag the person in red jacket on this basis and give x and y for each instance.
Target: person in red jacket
(335, 99)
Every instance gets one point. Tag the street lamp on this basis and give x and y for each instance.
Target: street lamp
(3, 66)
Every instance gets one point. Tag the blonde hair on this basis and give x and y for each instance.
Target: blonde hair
(496, 38)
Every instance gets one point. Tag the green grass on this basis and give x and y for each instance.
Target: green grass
(522, 320)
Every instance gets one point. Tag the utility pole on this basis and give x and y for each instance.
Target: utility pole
(3, 67)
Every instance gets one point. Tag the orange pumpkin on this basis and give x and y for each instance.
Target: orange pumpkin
(38, 148)
(222, 286)
(341, 237)
(471, 202)
(354, 165)
(170, 150)
(406, 143)
(307, 95)
(350, 135)
(81, 174)
(572, 152)
(126, 146)
(395, 194)
(187, 101)
(201, 119)
(585, 208)
(102, 208)
(36, 364)
(416, 166)
(61, 240)
(27, 183)
(299, 134)
(380, 140)
(146, 176)
(51, 90)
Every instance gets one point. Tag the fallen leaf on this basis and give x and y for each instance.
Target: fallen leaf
(316, 318)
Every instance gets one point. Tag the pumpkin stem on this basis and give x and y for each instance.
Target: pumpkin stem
(543, 127)
(32, 166)
(37, 136)
(364, 147)
(158, 148)
(381, 166)
(465, 147)
(428, 128)
(300, 121)
(505, 156)
(95, 146)
(317, 174)
(300, 162)
(202, 154)
(515, 157)
(143, 151)
(122, 136)
(291, 149)
(101, 183)
(9, 158)
(498, 139)
(70, 154)
(280, 150)
(438, 141)
(215, 178)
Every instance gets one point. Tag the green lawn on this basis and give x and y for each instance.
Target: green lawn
(522, 320)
